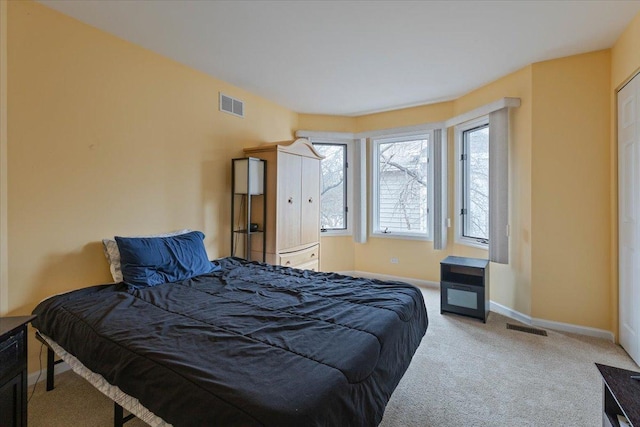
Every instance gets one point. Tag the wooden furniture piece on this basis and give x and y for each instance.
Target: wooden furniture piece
(293, 203)
(621, 396)
(13, 370)
(464, 286)
(248, 191)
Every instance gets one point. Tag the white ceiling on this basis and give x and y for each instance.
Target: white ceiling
(355, 57)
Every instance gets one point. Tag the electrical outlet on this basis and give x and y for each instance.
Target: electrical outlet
(394, 260)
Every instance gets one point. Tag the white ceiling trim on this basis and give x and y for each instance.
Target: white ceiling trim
(483, 111)
(328, 136)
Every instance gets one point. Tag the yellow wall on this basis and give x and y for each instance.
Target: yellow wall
(405, 117)
(4, 273)
(325, 123)
(337, 253)
(570, 190)
(107, 138)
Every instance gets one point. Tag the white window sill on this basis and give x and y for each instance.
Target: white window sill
(401, 236)
(335, 233)
(472, 242)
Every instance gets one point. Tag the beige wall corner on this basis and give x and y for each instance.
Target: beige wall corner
(625, 54)
(571, 213)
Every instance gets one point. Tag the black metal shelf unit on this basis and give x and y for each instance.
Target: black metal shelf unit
(248, 208)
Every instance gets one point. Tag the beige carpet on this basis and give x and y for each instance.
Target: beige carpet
(465, 373)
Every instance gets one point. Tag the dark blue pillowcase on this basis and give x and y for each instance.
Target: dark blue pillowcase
(150, 261)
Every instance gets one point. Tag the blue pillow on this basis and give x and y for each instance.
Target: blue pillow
(150, 261)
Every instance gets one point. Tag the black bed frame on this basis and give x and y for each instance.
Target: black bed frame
(118, 411)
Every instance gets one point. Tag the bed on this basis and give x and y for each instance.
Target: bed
(245, 344)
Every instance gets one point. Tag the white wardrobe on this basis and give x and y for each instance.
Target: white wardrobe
(293, 203)
(629, 217)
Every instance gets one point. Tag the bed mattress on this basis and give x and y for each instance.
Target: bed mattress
(249, 345)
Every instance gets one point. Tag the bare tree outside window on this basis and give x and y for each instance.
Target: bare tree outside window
(476, 183)
(402, 185)
(333, 207)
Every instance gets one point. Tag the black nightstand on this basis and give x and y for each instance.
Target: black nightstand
(13, 370)
(464, 286)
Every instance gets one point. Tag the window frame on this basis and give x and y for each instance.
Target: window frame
(374, 229)
(459, 191)
(348, 175)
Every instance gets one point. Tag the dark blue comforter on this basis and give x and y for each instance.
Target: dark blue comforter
(250, 345)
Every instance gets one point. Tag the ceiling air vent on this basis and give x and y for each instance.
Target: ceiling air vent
(231, 105)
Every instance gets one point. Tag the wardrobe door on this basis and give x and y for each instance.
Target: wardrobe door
(289, 200)
(628, 217)
(310, 209)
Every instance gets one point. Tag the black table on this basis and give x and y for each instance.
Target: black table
(13, 370)
(621, 395)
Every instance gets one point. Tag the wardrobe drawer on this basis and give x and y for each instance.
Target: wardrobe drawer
(304, 256)
(313, 266)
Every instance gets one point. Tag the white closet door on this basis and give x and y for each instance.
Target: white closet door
(629, 217)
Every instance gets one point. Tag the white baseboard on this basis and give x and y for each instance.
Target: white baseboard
(500, 309)
(415, 282)
(509, 312)
(550, 324)
(575, 329)
(41, 375)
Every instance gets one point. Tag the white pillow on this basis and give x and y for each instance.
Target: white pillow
(112, 252)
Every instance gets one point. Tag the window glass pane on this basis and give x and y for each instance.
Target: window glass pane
(333, 186)
(476, 150)
(402, 186)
